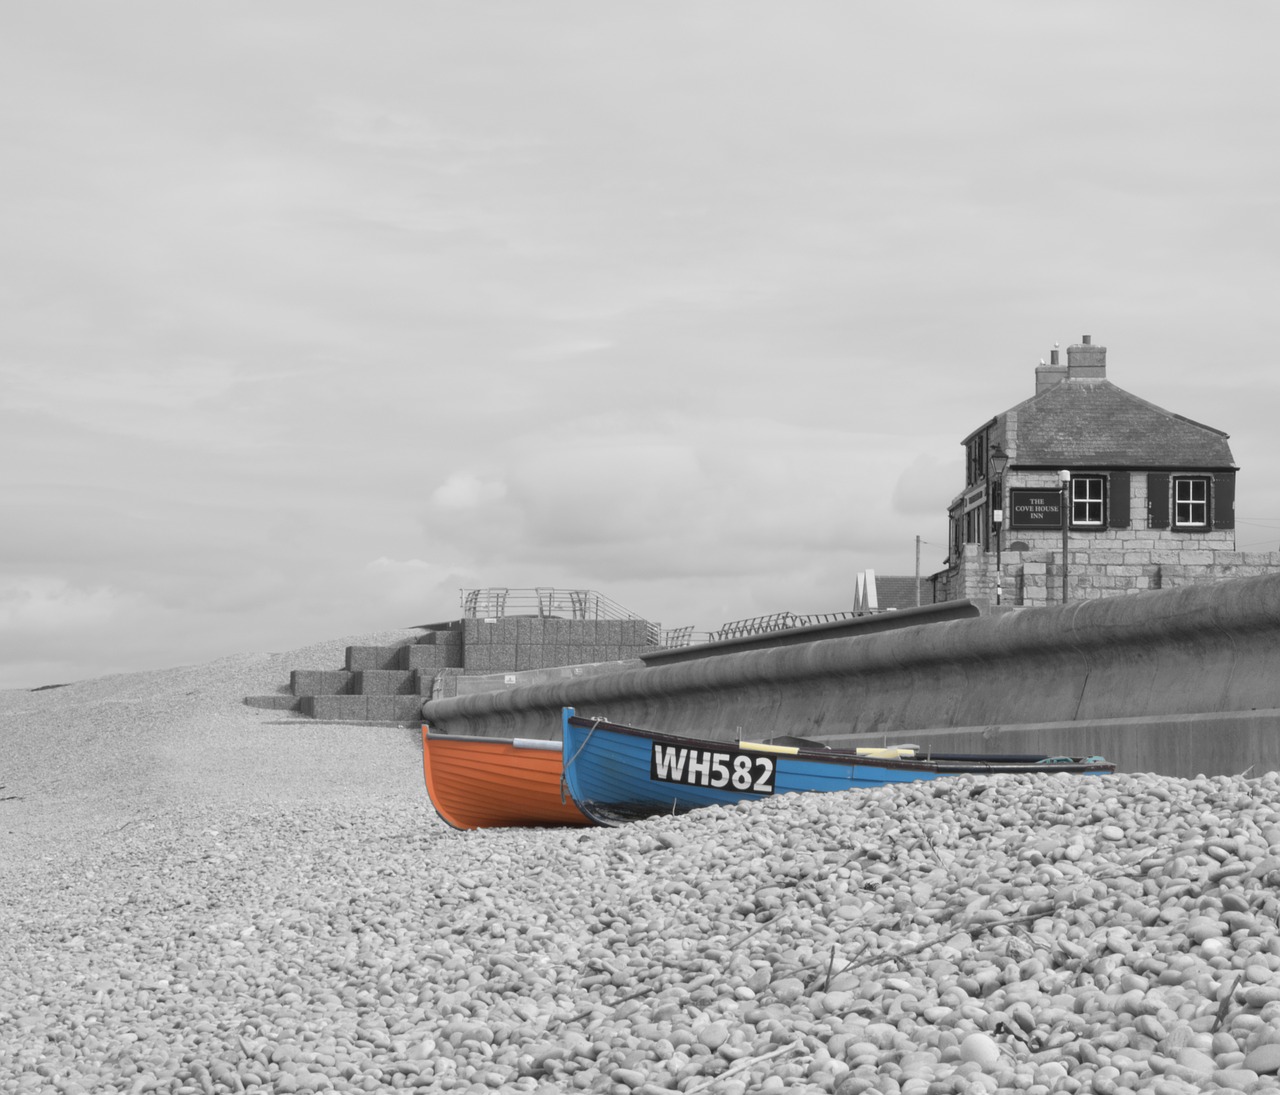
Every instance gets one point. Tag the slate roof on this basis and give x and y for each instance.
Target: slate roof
(1091, 422)
(899, 591)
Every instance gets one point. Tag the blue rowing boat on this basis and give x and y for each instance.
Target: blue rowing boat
(620, 773)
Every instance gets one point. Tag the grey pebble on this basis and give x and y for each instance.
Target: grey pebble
(979, 933)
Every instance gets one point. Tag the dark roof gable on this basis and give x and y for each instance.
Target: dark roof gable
(1092, 422)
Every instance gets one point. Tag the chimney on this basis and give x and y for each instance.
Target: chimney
(1049, 376)
(1086, 361)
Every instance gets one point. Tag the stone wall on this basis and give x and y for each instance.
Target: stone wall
(1033, 579)
(519, 643)
(1177, 681)
(1105, 562)
(391, 683)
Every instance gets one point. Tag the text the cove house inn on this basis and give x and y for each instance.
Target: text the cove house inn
(1132, 496)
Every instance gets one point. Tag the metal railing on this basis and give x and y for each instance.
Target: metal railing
(676, 637)
(550, 603)
(777, 621)
(587, 604)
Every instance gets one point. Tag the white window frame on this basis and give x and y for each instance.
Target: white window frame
(1093, 494)
(1194, 501)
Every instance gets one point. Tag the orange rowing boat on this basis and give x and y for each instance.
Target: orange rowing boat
(491, 783)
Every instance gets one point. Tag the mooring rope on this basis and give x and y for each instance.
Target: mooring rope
(596, 720)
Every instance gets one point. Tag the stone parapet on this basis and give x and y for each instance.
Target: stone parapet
(1033, 578)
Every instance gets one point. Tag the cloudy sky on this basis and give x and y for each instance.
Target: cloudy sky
(313, 314)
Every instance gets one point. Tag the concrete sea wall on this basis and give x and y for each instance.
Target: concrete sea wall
(1180, 682)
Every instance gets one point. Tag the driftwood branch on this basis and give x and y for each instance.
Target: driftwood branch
(747, 1062)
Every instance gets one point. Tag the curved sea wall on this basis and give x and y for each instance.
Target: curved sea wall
(1182, 681)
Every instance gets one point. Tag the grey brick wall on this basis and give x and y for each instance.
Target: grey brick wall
(1104, 562)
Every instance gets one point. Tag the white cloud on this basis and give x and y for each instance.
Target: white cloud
(409, 591)
(53, 631)
(466, 491)
(52, 606)
(510, 298)
(568, 348)
(738, 506)
(927, 485)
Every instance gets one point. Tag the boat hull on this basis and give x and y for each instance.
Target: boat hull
(488, 783)
(617, 773)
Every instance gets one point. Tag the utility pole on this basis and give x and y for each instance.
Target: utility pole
(1064, 477)
(917, 572)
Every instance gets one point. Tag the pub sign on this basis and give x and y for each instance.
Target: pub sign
(1032, 509)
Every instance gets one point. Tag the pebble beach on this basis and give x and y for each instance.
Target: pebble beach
(204, 897)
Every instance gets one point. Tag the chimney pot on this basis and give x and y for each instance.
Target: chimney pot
(1087, 340)
(1051, 375)
(1086, 361)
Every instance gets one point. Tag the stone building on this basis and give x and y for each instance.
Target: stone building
(1147, 496)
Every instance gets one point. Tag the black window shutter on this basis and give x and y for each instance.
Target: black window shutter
(1118, 500)
(1157, 500)
(1223, 497)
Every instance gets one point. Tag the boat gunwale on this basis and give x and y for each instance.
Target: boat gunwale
(943, 764)
(480, 739)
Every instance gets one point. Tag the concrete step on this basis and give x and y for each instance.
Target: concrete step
(406, 709)
(440, 638)
(386, 682)
(511, 650)
(277, 702)
(433, 650)
(374, 657)
(429, 656)
(321, 682)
